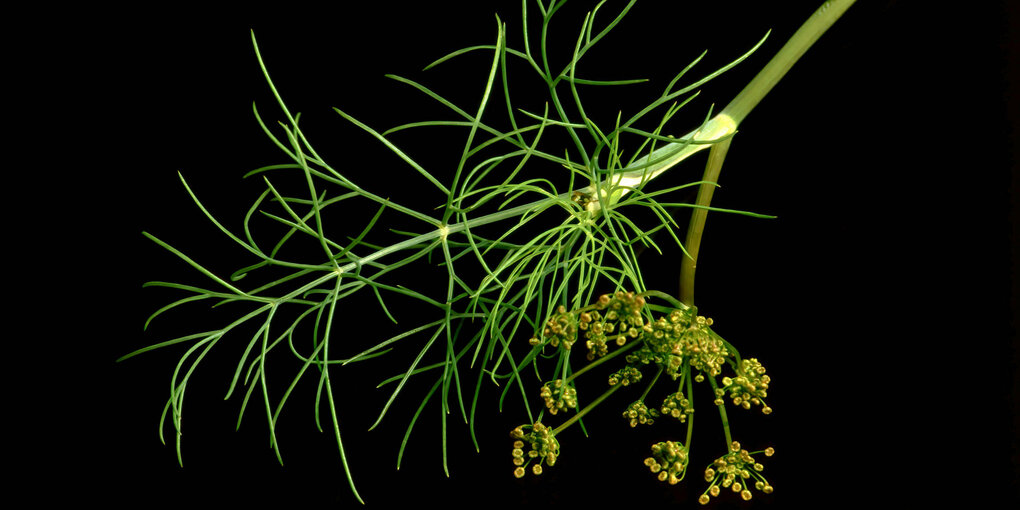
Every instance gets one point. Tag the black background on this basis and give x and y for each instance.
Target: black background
(879, 300)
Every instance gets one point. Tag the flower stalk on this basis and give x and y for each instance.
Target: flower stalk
(580, 414)
(722, 412)
(735, 112)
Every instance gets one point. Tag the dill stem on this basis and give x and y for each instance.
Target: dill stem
(795, 47)
(690, 399)
(699, 215)
(726, 425)
(722, 416)
(587, 408)
(736, 111)
(601, 360)
(649, 387)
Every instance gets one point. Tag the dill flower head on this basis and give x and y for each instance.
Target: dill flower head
(638, 413)
(625, 376)
(542, 447)
(558, 396)
(561, 328)
(737, 471)
(682, 337)
(678, 406)
(668, 461)
(750, 386)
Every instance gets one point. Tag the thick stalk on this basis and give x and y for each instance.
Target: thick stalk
(698, 217)
(735, 112)
(802, 39)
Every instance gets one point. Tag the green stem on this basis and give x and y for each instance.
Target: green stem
(672, 300)
(802, 39)
(735, 112)
(722, 415)
(699, 215)
(690, 397)
(587, 408)
(602, 360)
(649, 388)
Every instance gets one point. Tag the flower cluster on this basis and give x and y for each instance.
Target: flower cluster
(750, 386)
(705, 350)
(625, 376)
(639, 413)
(561, 328)
(736, 471)
(615, 317)
(680, 343)
(558, 396)
(664, 339)
(681, 336)
(669, 460)
(677, 406)
(624, 307)
(620, 314)
(595, 333)
(544, 448)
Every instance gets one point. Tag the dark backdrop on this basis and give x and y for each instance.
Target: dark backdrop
(879, 300)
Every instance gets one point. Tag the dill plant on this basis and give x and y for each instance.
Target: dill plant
(531, 244)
